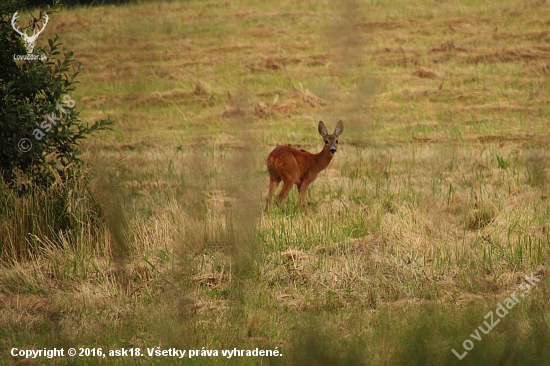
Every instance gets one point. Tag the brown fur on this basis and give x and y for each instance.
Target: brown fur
(293, 166)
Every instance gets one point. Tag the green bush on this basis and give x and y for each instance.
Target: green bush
(39, 127)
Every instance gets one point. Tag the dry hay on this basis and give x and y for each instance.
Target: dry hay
(385, 25)
(201, 92)
(218, 200)
(293, 301)
(319, 60)
(396, 56)
(448, 46)
(507, 55)
(299, 99)
(271, 63)
(541, 70)
(75, 25)
(145, 187)
(193, 303)
(311, 99)
(212, 279)
(293, 255)
(202, 88)
(95, 146)
(161, 98)
(233, 112)
(266, 63)
(423, 73)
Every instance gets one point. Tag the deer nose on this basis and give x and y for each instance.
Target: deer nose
(332, 150)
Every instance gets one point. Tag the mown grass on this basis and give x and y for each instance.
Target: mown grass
(432, 212)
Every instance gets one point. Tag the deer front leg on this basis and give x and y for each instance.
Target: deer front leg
(302, 188)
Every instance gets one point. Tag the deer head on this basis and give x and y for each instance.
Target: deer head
(331, 141)
(29, 40)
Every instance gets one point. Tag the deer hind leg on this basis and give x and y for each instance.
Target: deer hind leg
(287, 186)
(273, 184)
(287, 171)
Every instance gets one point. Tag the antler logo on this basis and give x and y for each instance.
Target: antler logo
(29, 40)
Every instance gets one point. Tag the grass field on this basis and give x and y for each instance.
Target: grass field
(432, 212)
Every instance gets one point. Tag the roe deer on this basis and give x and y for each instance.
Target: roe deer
(300, 167)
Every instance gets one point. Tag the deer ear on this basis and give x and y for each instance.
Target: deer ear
(339, 128)
(322, 129)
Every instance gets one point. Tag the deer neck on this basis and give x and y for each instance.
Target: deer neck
(323, 159)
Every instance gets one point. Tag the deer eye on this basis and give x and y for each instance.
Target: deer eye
(337, 141)
(326, 142)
